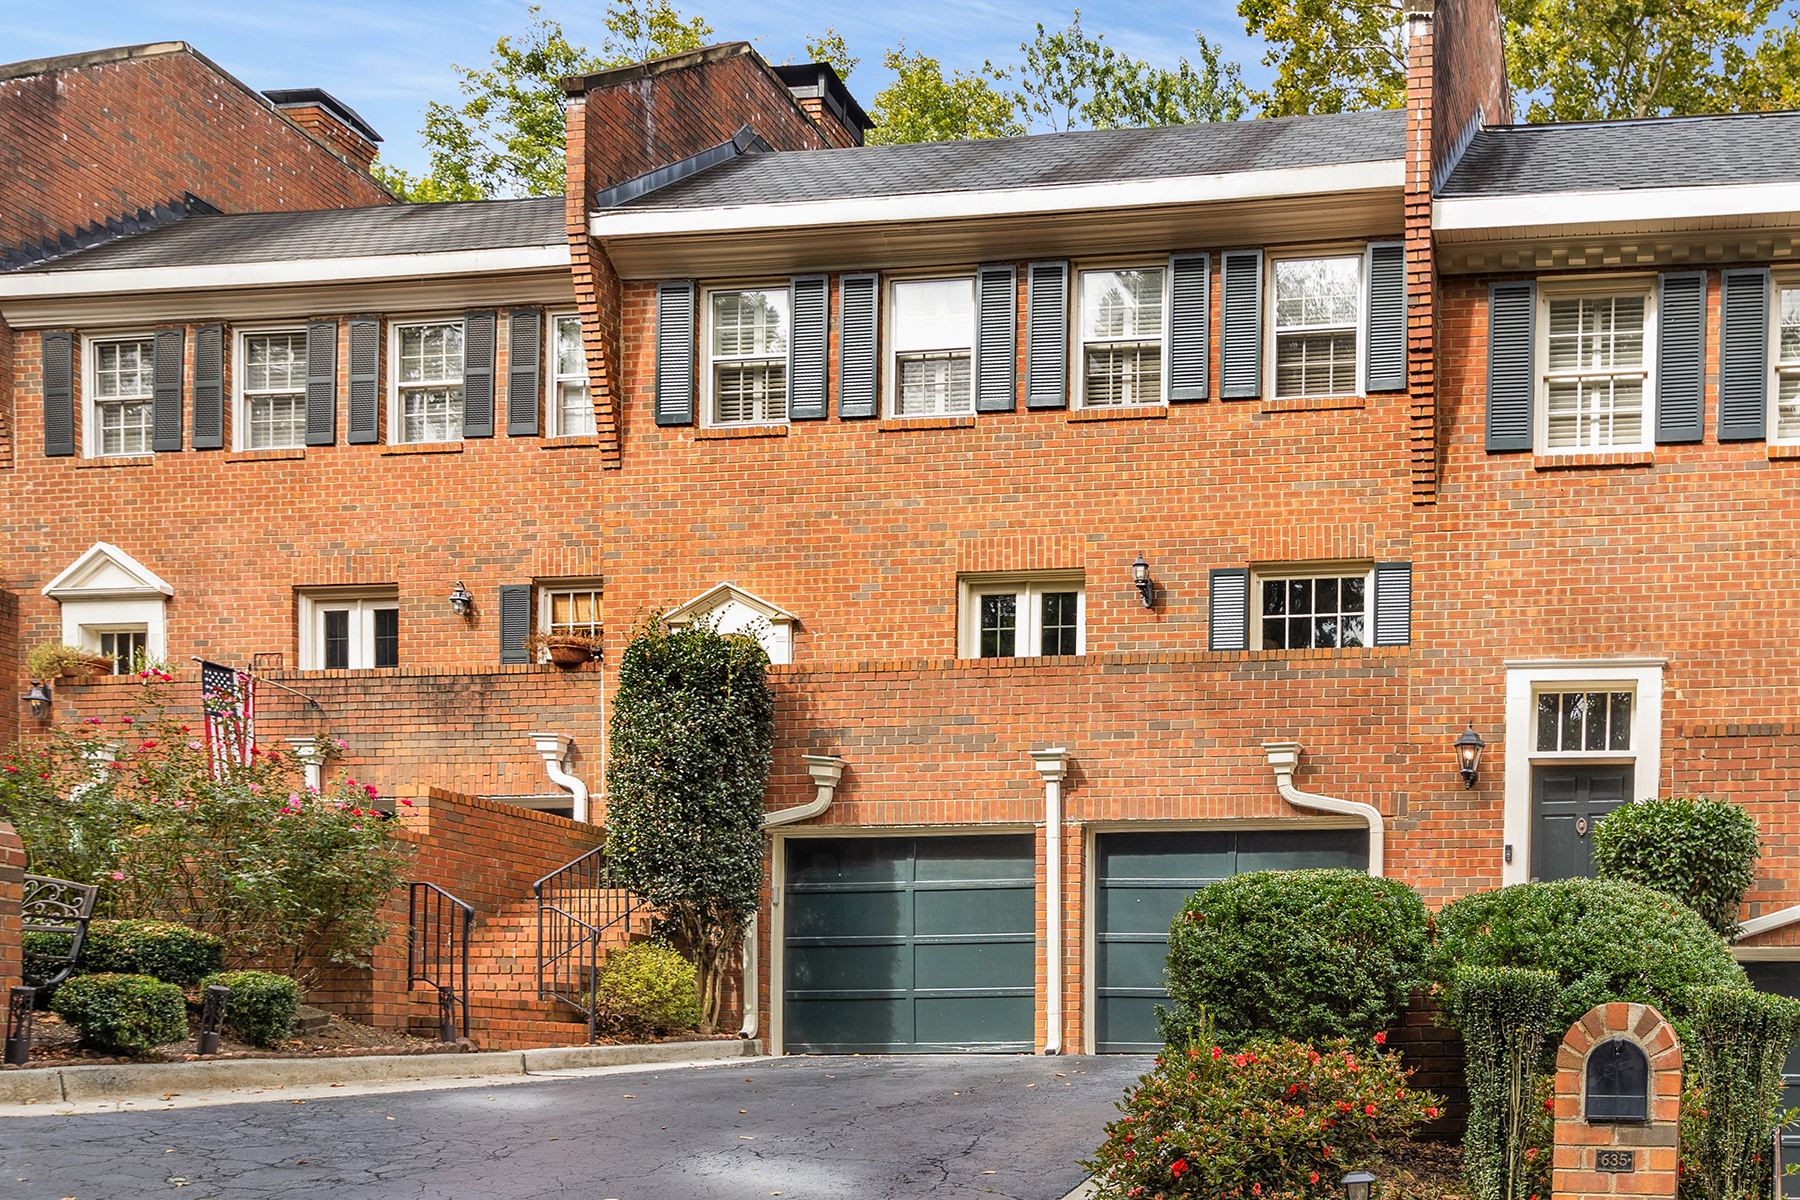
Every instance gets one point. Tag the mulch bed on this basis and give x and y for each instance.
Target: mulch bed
(1423, 1170)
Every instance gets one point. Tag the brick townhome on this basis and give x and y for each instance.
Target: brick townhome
(1415, 420)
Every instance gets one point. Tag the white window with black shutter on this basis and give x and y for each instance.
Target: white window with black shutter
(1595, 365)
(931, 347)
(572, 405)
(119, 383)
(746, 332)
(1122, 329)
(1316, 319)
(1311, 606)
(426, 396)
(271, 378)
(1784, 354)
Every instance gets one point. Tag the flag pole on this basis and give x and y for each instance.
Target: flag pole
(272, 683)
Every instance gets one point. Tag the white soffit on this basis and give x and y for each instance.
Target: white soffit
(725, 593)
(1469, 218)
(106, 572)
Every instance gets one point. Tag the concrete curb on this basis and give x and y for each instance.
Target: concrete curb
(45, 1085)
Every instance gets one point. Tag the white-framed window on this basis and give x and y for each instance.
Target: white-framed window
(1121, 328)
(746, 344)
(349, 629)
(120, 376)
(1022, 615)
(1326, 606)
(1317, 322)
(1787, 363)
(1594, 366)
(931, 346)
(128, 644)
(573, 409)
(564, 609)
(1582, 722)
(428, 381)
(271, 375)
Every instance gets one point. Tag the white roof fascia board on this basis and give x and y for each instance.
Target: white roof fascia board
(286, 272)
(721, 593)
(942, 206)
(1556, 210)
(65, 587)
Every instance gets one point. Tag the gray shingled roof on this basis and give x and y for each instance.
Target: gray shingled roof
(1512, 160)
(331, 233)
(1041, 160)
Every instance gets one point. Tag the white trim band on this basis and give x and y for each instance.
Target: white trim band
(1612, 207)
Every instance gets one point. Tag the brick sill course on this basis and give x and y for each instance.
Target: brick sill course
(266, 455)
(1570, 462)
(1777, 453)
(572, 442)
(424, 448)
(731, 432)
(908, 424)
(116, 460)
(1314, 404)
(1133, 412)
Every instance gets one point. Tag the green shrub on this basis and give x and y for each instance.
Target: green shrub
(261, 1006)
(645, 988)
(1737, 1041)
(1275, 1119)
(1300, 954)
(133, 1014)
(1504, 1014)
(1604, 940)
(172, 953)
(1703, 852)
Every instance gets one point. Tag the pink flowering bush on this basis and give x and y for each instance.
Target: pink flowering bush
(1271, 1120)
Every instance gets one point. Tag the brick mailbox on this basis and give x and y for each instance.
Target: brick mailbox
(1618, 1105)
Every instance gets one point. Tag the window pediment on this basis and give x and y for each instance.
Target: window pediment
(106, 572)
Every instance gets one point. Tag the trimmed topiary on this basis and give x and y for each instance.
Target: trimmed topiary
(1505, 1016)
(131, 1014)
(1703, 852)
(261, 1006)
(1307, 955)
(648, 989)
(1734, 1052)
(170, 952)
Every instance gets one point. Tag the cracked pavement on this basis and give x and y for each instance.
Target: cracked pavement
(944, 1127)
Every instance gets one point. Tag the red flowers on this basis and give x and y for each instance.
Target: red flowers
(1432, 1113)
(1179, 1167)
(1256, 1189)
(1216, 1053)
(1313, 1178)
(1368, 1110)
(1381, 1039)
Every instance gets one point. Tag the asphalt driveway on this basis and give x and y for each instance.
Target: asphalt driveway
(801, 1128)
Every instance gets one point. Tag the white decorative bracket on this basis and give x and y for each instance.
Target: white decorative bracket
(554, 749)
(1283, 758)
(311, 753)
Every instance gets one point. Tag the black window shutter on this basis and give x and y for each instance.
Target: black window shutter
(1240, 350)
(1512, 344)
(675, 354)
(524, 351)
(996, 339)
(209, 387)
(1393, 604)
(167, 392)
(1190, 321)
(1047, 335)
(1230, 600)
(1680, 356)
(478, 374)
(58, 349)
(1386, 365)
(321, 383)
(365, 381)
(515, 622)
(858, 300)
(808, 342)
(1743, 355)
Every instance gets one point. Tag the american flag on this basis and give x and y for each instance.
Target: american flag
(230, 700)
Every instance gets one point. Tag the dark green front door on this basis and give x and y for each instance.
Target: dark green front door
(1140, 882)
(1783, 978)
(1566, 802)
(910, 944)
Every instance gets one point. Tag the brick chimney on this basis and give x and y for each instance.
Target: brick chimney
(827, 101)
(329, 120)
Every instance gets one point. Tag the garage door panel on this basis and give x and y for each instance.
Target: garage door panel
(850, 1026)
(1142, 907)
(849, 968)
(975, 1022)
(981, 965)
(983, 858)
(1298, 851)
(975, 911)
(843, 912)
(1132, 964)
(847, 860)
(1207, 854)
(1129, 1014)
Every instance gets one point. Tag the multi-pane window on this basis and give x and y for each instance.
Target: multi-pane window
(1583, 721)
(999, 625)
(431, 381)
(350, 633)
(574, 407)
(933, 340)
(1121, 337)
(575, 611)
(1316, 317)
(748, 347)
(1594, 372)
(1318, 613)
(274, 390)
(124, 372)
(127, 646)
(1023, 617)
(1787, 357)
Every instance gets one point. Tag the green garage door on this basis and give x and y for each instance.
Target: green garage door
(1783, 978)
(1141, 880)
(910, 944)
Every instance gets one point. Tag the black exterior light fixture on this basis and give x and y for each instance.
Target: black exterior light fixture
(461, 602)
(39, 699)
(1140, 579)
(1356, 1185)
(1468, 755)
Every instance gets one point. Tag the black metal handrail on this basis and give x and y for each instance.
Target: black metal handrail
(578, 905)
(52, 905)
(437, 941)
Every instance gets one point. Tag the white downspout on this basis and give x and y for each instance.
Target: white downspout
(312, 757)
(827, 771)
(554, 748)
(1051, 767)
(1283, 758)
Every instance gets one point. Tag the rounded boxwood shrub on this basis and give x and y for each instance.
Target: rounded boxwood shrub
(261, 1006)
(646, 988)
(133, 1014)
(172, 953)
(1703, 852)
(1604, 940)
(1306, 955)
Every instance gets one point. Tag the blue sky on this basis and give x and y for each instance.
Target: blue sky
(389, 58)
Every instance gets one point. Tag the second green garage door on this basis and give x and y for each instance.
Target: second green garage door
(910, 944)
(1141, 880)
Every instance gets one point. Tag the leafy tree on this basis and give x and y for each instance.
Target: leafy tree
(1071, 77)
(692, 729)
(922, 106)
(829, 47)
(1329, 56)
(1763, 79)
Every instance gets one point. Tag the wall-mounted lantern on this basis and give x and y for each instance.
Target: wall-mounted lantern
(461, 602)
(1140, 579)
(39, 700)
(1468, 755)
